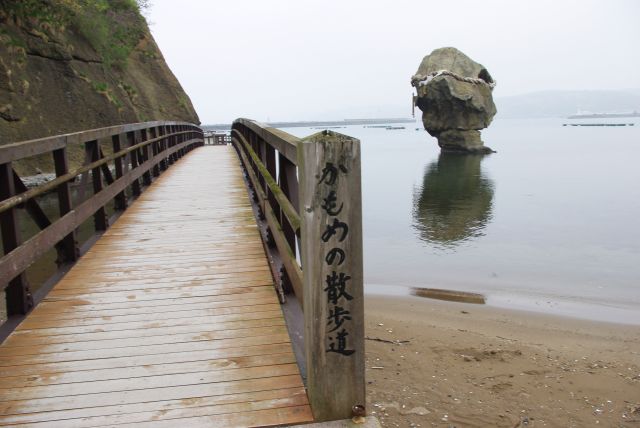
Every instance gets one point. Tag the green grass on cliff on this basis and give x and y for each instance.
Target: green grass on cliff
(112, 27)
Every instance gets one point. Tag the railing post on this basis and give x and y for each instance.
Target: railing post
(100, 217)
(288, 182)
(268, 158)
(162, 130)
(171, 143)
(181, 138)
(121, 198)
(146, 177)
(69, 244)
(133, 155)
(154, 150)
(18, 296)
(331, 211)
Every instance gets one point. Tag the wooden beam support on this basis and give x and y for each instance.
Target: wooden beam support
(287, 253)
(70, 251)
(106, 172)
(18, 295)
(146, 177)
(100, 220)
(133, 157)
(155, 150)
(121, 198)
(265, 176)
(32, 207)
(288, 183)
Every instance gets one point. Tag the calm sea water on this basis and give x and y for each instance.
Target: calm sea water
(549, 223)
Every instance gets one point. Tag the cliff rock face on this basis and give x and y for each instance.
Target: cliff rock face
(72, 65)
(455, 96)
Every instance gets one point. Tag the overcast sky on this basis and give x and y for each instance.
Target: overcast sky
(316, 60)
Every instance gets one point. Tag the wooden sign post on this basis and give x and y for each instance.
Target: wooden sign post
(331, 211)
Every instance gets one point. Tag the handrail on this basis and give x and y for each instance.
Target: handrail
(51, 185)
(140, 151)
(274, 201)
(28, 148)
(308, 198)
(284, 241)
(288, 210)
(286, 144)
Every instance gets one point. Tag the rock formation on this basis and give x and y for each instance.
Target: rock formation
(455, 96)
(70, 66)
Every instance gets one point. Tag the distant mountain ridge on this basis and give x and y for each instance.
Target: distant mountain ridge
(565, 103)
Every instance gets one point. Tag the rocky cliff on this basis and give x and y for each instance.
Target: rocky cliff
(70, 65)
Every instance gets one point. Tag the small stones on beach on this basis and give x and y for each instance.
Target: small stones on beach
(495, 378)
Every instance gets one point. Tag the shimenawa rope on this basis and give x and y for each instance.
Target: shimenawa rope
(420, 80)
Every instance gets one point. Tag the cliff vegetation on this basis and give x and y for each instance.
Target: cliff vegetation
(70, 65)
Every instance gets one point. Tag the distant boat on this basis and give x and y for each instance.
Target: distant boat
(597, 124)
(589, 115)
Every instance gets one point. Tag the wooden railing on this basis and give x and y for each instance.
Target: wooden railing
(308, 194)
(135, 153)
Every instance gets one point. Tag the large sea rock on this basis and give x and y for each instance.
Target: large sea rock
(455, 96)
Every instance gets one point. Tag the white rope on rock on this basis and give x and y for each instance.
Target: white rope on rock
(419, 80)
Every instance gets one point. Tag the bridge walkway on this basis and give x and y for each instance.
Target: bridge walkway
(170, 319)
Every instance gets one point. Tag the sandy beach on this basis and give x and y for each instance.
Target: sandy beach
(446, 364)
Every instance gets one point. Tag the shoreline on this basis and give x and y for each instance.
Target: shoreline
(440, 363)
(584, 310)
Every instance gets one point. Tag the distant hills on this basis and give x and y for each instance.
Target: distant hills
(532, 105)
(323, 124)
(565, 103)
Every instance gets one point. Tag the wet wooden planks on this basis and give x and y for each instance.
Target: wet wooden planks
(170, 319)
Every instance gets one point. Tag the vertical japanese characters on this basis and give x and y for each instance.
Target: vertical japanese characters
(331, 255)
(337, 282)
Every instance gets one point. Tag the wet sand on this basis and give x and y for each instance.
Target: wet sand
(448, 364)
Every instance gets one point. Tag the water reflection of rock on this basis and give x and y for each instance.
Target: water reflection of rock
(455, 201)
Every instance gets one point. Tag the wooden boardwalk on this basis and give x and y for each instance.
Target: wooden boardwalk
(170, 319)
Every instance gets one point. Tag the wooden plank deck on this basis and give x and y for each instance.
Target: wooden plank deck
(170, 319)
